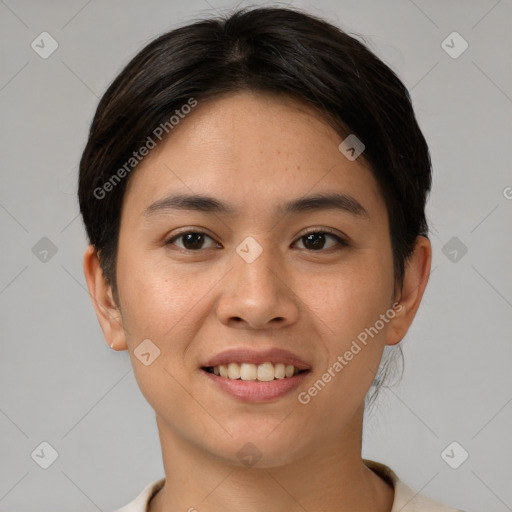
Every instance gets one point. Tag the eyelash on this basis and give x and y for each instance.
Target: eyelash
(341, 242)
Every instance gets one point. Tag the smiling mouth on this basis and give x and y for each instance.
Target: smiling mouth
(264, 372)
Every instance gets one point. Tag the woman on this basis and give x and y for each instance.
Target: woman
(253, 189)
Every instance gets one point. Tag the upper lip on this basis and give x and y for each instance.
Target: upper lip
(247, 355)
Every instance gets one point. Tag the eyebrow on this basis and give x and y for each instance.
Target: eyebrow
(208, 204)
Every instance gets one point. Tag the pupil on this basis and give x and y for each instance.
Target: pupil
(193, 240)
(317, 240)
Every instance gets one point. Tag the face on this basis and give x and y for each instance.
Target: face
(266, 277)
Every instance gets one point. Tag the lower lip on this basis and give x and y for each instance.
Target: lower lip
(256, 391)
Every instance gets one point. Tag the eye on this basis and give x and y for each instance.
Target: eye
(316, 240)
(192, 241)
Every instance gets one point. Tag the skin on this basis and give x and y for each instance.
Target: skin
(255, 151)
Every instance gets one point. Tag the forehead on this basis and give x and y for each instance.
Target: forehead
(251, 149)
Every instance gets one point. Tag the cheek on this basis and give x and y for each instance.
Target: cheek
(350, 304)
(153, 299)
(156, 307)
(353, 297)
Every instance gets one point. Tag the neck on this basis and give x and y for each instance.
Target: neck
(331, 477)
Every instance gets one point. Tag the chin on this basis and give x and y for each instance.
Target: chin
(263, 448)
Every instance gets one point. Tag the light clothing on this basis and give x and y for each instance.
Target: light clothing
(406, 500)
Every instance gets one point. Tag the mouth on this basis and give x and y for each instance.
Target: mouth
(264, 372)
(255, 376)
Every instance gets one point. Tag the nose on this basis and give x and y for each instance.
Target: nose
(259, 294)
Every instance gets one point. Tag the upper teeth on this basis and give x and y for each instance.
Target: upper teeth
(248, 371)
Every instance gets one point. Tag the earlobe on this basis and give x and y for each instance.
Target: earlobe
(416, 274)
(107, 311)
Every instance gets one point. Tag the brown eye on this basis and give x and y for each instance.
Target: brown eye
(317, 240)
(191, 241)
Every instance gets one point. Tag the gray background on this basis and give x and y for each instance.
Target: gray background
(60, 382)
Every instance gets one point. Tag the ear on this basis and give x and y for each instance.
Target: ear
(107, 311)
(416, 274)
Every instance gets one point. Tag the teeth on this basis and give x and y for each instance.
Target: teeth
(264, 372)
(280, 371)
(233, 371)
(248, 371)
